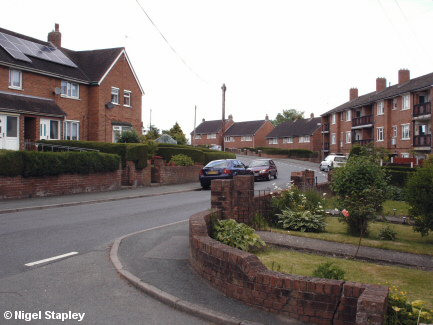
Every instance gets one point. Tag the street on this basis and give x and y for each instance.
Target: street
(84, 281)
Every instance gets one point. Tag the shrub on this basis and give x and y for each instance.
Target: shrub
(182, 160)
(167, 152)
(398, 176)
(302, 153)
(329, 271)
(237, 235)
(129, 136)
(387, 233)
(419, 192)
(303, 221)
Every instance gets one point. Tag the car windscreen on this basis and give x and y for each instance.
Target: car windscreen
(218, 164)
(258, 163)
(340, 159)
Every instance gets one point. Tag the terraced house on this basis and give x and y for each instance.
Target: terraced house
(397, 117)
(49, 92)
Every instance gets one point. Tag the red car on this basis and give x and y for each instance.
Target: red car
(263, 169)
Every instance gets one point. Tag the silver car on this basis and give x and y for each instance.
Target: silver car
(332, 161)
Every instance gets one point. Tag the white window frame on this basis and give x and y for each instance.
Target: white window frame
(394, 104)
(67, 89)
(349, 137)
(273, 140)
(394, 131)
(117, 131)
(405, 131)
(288, 140)
(211, 136)
(380, 110)
(380, 132)
(333, 138)
(246, 138)
(115, 96)
(229, 139)
(333, 119)
(405, 102)
(304, 139)
(405, 155)
(47, 131)
(68, 127)
(197, 136)
(12, 74)
(127, 98)
(348, 115)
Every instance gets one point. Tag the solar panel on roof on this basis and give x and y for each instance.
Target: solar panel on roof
(19, 49)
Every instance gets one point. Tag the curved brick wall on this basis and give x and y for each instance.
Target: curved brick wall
(242, 276)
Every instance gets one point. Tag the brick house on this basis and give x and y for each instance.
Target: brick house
(298, 134)
(209, 133)
(247, 134)
(49, 92)
(396, 117)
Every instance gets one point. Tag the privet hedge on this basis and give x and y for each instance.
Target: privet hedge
(136, 152)
(37, 164)
(398, 175)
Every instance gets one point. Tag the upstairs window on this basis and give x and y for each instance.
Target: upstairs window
(333, 119)
(127, 98)
(305, 138)
(70, 89)
(405, 131)
(405, 102)
(15, 79)
(380, 108)
(348, 137)
(288, 140)
(379, 134)
(394, 104)
(115, 95)
(247, 138)
(273, 140)
(197, 136)
(211, 136)
(348, 115)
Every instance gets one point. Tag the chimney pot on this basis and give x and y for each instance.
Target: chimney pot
(312, 115)
(55, 37)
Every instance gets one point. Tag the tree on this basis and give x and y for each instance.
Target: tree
(130, 136)
(288, 115)
(176, 133)
(419, 193)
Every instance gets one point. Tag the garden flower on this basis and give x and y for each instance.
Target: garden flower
(345, 213)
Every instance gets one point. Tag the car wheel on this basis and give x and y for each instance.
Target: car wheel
(205, 187)
(276, 175)
(269, 177)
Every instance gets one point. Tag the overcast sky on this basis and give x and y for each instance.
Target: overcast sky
(272, 55)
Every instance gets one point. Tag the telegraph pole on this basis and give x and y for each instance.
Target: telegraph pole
(195, 114)
(224, 88)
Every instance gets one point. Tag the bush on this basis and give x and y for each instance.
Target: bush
(237, 235)
(302, 153)
(398, 176)
(130, 136)
(303, 221)
(168, 152)
(329, 271)
(182, 160)
(387, 233)
(395, 193)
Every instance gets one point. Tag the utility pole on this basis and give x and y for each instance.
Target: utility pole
(224, 88)
(195, 114)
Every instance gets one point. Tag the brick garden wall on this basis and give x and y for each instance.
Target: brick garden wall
(20, 187)
(134, 177)
(167, 175)
(242, 276)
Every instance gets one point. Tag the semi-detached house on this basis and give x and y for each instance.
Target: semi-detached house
(49, 92)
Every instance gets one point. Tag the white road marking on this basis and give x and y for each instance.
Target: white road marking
(51, 259)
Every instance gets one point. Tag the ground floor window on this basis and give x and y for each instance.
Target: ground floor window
(118, 129)
(71, 130)
(50, 129)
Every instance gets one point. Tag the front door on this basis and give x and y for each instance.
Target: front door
(9, 132)
(45, 128)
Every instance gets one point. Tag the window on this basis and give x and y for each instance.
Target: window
(379, 134)
(405, 131)
(394, 131)
(247, 138)
(12, 126)
(394, 104)
(71, 90)
(305, 138)
(198, 136)
(229, 139)
(380, 108)
(348, 137)
(211, 136)
(341, 116)
(49, 129)
(117, 131)
(348, 115)
(71, 130)
(405, 155)
(115, 95)
(405, 102)
(127, 98)
(333, 139)
(273, 140)
(54, 130)
(333, 119)
(288, 140)
(15, 79)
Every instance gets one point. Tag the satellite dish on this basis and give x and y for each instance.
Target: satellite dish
(109, 105)
(57, 91)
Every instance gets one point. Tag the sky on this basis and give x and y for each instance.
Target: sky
(271, 55)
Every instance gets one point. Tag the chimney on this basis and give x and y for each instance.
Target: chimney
(312, 115)
(55, 37)
(403, 76)
(266, 117)
(202, 120)
(353, 93)
(230, 117)
(380, 84)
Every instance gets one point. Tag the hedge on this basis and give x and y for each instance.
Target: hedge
(199, 155)
(302, 153)
(398, 175)
(273, 151)
(37, 164)
(136, 152)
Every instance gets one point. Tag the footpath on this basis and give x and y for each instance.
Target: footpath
(156, 260)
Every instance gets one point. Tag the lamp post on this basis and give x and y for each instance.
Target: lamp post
(224, 88)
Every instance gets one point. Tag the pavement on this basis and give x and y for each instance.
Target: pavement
(156, 260)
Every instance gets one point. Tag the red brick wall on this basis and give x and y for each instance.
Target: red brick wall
(242, 276)
(179, 174)
(20, 187)
(134, 177)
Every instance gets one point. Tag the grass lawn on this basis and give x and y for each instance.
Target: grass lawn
(418, 284)
(407, 240)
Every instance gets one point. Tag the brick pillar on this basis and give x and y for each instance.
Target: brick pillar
(222, 197)
(157, 163)
(243, 200)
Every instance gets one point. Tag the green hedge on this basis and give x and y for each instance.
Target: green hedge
(197, 154)
(398, 175)
(273, 151)
(37, 164)
(302, 153)
(215, 155)
(137, 152)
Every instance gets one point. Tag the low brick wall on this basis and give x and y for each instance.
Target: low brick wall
(19, 187)
(166, 175)
(131, 176)
(242, 276)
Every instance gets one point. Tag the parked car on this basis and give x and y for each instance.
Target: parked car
(263, 169)
(221, 169)
(332, 161)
